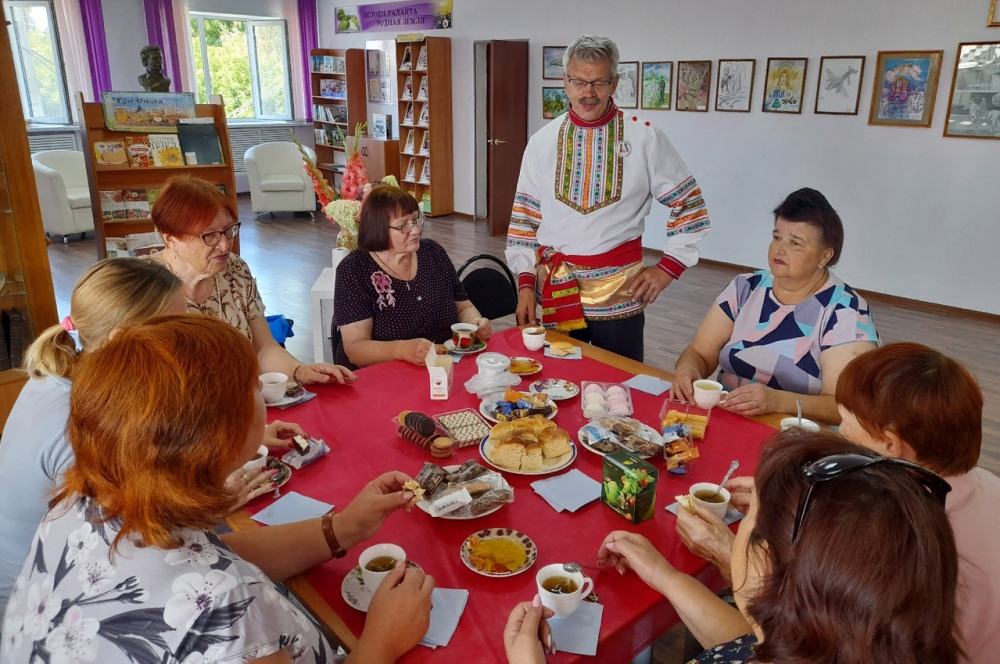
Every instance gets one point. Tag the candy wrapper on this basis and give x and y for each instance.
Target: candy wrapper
(317, 448)
(486, 490)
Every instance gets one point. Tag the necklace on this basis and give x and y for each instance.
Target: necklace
(393, 274)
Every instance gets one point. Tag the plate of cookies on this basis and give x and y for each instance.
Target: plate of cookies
(461, 493)
(466, 427)
(528, 446)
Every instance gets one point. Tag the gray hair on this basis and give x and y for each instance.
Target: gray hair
(592, 48)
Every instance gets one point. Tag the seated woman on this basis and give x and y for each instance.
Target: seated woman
(198, 223)
(784, 333)
(125, 567)
(844, 556)
(396, 295)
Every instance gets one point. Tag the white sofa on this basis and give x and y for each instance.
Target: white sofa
(63, 192)
(278, 181)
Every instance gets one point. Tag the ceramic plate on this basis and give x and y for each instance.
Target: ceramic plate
(524, 366)
(484, 410)
(548, 465)
(477, 347)
(355, 593)
(281, 479)
(556, 388)
(426, 505)
(647, 432)
(520, 538)
(286, 401)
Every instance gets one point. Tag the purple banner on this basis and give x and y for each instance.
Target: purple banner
(394, 17)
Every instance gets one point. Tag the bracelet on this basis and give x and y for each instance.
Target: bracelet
(336, 550)
(295, 374)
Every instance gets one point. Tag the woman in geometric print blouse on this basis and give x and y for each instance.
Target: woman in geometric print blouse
(784, 333)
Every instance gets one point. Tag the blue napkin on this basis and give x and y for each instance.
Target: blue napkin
(649, 384)
(569, 491)
(577, 354)
(732, 516)
(578, 634)
(448, 608)
(290, 508)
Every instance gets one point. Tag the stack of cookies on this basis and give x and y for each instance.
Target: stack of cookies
(421, 430)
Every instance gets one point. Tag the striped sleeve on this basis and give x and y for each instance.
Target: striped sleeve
(526, 216)
(673, 186)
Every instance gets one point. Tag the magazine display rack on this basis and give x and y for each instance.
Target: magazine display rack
(340, 102)
(106, 178)
(427, 70)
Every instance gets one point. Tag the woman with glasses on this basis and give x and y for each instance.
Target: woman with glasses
(198, 223)
(397, 295)
(843, 556)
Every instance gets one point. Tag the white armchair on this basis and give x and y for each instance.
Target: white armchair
(63, 192)
(278, 181)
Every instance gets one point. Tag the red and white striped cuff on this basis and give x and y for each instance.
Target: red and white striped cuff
(671, 266)
(526, 280)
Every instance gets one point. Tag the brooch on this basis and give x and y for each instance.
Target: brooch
(623, 149)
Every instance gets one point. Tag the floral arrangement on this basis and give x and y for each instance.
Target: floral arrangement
(355, 176)
(323, 190)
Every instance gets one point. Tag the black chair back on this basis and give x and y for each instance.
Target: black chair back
(492, 291)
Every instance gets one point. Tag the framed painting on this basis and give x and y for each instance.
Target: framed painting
(554, 102)
(994, 20)
(784, 85)
(734, 85)
(552, 62)
(839, 89)
(627, 92)
(694, 81)
(657, 84)
(905, 86)
(974, 102)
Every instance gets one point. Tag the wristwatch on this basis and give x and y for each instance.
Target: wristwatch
(331, 537)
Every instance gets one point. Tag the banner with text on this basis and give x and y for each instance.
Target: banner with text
(395, 16)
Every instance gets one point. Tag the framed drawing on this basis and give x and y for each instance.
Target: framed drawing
(784, 85)
(554, 102)
(994, 20)
(974, 102)
(552, 62)
(839, 89)
(657, 83)
(627, 92)
(905, 85)
(734, 86)
(694, 80)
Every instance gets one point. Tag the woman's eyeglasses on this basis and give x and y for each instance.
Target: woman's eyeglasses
(408, 227)
(839, 465)
(212, 239)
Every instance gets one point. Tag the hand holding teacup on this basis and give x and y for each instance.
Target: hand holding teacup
(484, 330)
(562, 591)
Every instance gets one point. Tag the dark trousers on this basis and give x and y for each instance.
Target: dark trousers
(623, 336)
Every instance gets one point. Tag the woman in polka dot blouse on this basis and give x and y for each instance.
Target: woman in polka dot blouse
(397, 294)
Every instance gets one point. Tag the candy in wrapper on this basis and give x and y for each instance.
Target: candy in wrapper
(301, 445)
(297, 460)
(430, 476)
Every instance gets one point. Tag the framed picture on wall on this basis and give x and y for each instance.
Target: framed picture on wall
(657, 84)
(694, 81)
(627, 92)
(784, 85)
(974, 102)
(905, 86)
(734, 86)
(994, 20)
(552, 62)
(554, 102)
(839, 89)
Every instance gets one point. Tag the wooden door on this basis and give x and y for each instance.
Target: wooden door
(507, 127)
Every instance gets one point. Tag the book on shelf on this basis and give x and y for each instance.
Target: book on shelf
(425, 203)
(381, 127)
(112, 205)
(200, 143)
(407, 94)
(411, 171)
(339, 113)
(316, 64)
(408, 116)
(422, 92)
(339, 64)
(138, 151)
(166, 149)
(425, 172)
(136, 244)
(110, 153)
(136, 205)
(406, 64)
(422, 59)
(328, 65)
(151, 195)
(384, 91)
(408, 148)
(425, 144)
(425, 116)
(15, 329)
(333, 88)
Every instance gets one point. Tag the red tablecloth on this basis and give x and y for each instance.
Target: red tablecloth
(355, 421)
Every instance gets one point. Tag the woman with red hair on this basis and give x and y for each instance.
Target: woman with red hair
(126, 568)
(198, 224)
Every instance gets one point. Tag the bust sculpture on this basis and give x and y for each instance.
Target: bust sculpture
(153, 80)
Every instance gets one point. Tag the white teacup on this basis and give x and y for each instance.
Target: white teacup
(374, 579)
(718, 509)
(274, 388)
(533, 337)
(257, 462)
(806, 425)
(563, 604)
(707, 393)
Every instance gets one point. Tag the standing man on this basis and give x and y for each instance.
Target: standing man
(588, 180)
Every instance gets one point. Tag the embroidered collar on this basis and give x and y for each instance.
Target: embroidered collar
(600, 122)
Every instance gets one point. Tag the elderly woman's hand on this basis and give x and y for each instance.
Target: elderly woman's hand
(484, 329)
(250, 485)
(753, 400)
(324, 373)
(628, 551)
(278, 435)
(683, 387)
(371, 507)
(527, 638)
(706, 536)
(413, 351)
(399, 615)
(740, 492)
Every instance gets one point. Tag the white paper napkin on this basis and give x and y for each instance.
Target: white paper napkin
(576, 354)
(290, 508)
(649, 384)
(578, 634)
(569, 491)
(449, 605)
(732, 516)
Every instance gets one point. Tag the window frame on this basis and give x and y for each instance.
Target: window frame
(21, 72)
(252, 22)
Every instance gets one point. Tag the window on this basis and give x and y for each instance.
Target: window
(37, 60)
(246, 61)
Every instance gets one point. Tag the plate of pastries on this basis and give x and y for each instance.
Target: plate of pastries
(528, 446)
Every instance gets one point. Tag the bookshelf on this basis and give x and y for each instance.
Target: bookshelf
(112, 178)
(434, 133)
(347, 76)
(24, 260)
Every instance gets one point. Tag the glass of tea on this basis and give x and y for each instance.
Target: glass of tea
(712, 497)
(376, 563)
(562, 591)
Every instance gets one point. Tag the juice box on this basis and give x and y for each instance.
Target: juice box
(628, 486)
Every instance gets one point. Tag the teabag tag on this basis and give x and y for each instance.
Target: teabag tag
(317, 448)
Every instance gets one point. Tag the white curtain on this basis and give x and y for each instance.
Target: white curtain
(290, 12)
(76, 65)
(185, 52)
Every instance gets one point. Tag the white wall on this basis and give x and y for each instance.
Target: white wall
(125, 30)
(920, 210)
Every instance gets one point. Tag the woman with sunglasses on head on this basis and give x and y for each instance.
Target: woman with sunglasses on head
(844, 556)
(397, 294)
(198, 223)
